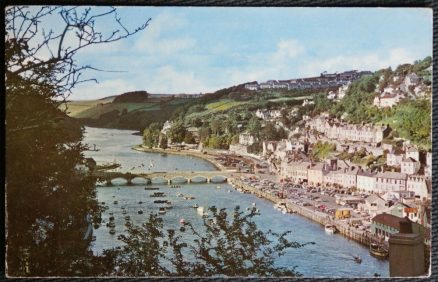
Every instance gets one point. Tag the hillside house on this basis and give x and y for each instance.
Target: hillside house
(405, 210)
(252, 86)
(411, 79)
(394, 159)
(166, 127)
(428, 167)
(419, 185)
(295, 170)
(374, 205)
(315, 174)
(247, 139)
(413, 153)
(366, 181)
(390, 181)
(388, 100)
(409, 166)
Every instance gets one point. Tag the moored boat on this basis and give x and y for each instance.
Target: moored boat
(330, 229)
(378, 251)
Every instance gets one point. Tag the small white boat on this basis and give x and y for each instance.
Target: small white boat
(195, 206)
(200, 210)
(330, 229)
(218, 187)
(253, 204)
(182, 221)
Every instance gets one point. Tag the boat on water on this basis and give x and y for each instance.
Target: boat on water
(151, 188)
(180, 195)
(218, 187)
(378, 251)
(140, 212)
(162, 210)
(112, 231)
(330, 229)
(158, 194)
(357, 259)
(124, 212)
(115, 202)
(200, 210)
(127, 217)
(182, 221)
(189, 197)
(195, 206)
(111, 225)
(160, 201)
(93, 238)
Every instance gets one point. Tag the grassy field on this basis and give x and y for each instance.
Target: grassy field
(74, 108)
(284, 99)
(223, 105)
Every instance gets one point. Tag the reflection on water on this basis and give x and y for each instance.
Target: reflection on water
(115, 146)
(331, 256)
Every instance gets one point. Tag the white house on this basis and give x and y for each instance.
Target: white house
(410, 166)
(411, 79)
(247, 139)
(413, 153)
(417, 184)
(390, 181)
(167, 125)
(428, 167)
(252, 86)
(366, 181)
(394, 159)
(387, 100)
(374, 205)
(296, 170)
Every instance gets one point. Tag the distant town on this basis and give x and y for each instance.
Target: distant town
(366, 168)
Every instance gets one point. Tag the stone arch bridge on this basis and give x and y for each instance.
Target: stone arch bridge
(176, 177)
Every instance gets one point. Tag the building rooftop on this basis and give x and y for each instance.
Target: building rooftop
(391, 174)
(389, 220)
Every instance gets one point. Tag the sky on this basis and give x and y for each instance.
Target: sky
(200, 50)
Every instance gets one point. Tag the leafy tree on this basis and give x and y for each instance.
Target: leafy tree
(49, 202)
(162, 141)
(272, 133)
(204, 133)
(216, 126)
(322, 151)
(151, 135)
(217, 142)
(177, 132)
(141, 253)
(254, 126)
(229, 245)
(189, 138)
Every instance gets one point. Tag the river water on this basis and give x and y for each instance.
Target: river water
(330, 256)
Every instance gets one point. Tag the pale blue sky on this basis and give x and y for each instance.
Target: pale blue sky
(192, 50)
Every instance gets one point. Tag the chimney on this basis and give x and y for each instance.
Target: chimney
(406, 252)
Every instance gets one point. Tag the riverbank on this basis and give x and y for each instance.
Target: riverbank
(191, 153)
(342, 226)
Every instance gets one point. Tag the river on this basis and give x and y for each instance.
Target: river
(330, 256)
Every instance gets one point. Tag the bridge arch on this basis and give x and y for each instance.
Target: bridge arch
(178, 179)
(199, 179)
(140, 180)
(119, 181)
(159, 180)
(218, 179)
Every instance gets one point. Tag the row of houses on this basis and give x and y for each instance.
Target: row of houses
(325, 80)
(342, 131)
(334, 173)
